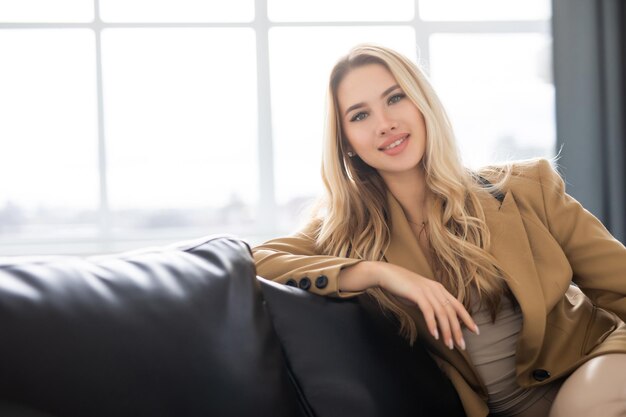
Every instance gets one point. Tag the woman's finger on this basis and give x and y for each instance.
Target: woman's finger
(443, 319)
(464, 315)
(455, 325)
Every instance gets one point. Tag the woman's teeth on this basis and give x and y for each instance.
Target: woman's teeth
(396, 143)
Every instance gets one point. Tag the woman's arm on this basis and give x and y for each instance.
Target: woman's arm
(294, 261)
(598, 260)
(442, 312)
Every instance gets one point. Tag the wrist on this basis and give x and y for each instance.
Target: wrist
(360, 276)
(374, 273)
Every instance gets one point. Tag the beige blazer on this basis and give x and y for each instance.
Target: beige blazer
(545, 240)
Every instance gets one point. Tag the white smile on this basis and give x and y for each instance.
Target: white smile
(396, 143)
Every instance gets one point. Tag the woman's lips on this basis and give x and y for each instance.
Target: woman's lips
(394, 150)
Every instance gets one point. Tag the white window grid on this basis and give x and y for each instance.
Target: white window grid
(261, 24)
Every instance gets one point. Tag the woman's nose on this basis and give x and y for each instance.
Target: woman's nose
(386, 124)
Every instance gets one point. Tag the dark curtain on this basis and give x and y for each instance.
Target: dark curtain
(590, 81)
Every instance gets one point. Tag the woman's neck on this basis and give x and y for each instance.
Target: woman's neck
(409, 188)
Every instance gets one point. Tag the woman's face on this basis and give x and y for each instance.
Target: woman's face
(382, 126)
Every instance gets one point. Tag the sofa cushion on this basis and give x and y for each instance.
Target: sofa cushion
(178, 331)
(347, 358)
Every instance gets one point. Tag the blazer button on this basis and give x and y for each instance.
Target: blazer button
(321, 281)
(291, 282)
(541, 374)
(305, 283)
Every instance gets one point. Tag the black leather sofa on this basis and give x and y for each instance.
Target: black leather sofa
(190, 330)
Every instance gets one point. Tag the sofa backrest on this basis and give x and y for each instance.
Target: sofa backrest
(347, 358)
(178, 331)
(190, 331)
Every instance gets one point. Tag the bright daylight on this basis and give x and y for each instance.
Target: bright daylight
(296, 208)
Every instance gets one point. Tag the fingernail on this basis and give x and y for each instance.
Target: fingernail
(436, 334)
(451, 344)
(477, 331)
(462, 344)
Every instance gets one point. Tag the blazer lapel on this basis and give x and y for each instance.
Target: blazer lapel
(510, 247)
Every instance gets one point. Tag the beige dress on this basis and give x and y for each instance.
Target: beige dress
(493, 356)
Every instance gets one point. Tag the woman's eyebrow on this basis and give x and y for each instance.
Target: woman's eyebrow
(357, 105)
(389, 90)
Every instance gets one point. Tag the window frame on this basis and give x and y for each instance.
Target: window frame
(266, 222)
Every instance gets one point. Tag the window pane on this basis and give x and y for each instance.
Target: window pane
(498, 90)
(46, 10)
(344, 10)
(176, 11)
(484, 9)
(48, 143)
(301, 60)
(181, 123)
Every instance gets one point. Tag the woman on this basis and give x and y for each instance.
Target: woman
(446, 249)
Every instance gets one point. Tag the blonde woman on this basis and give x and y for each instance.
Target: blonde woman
(479, 264)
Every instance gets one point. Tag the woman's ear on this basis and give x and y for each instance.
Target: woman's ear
(348, 150)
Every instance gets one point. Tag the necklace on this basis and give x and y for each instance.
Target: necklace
(421, 225)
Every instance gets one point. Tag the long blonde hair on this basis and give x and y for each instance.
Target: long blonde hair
(353, 219)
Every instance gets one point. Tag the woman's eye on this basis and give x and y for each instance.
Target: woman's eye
(359, 116)
(395, 98)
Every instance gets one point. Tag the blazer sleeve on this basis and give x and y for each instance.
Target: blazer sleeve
(294, 261)
(598, 260)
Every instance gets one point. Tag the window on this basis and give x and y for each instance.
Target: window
(133, 123)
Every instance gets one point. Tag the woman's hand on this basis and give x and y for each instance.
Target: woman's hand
(441, 310)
